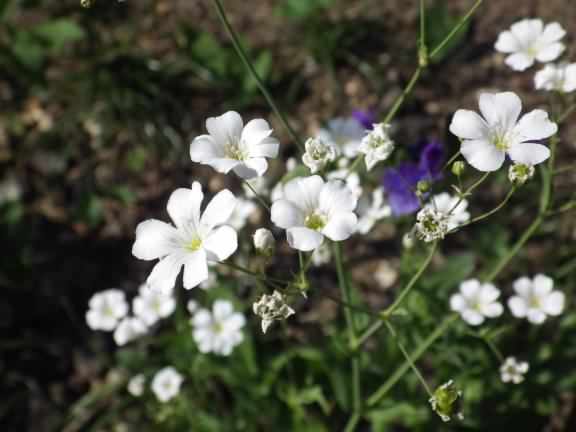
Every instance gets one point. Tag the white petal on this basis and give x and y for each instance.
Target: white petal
(285, 214)
(225, 128)
(468, 124)
(195, 269)
(202, 318)
(536, 316)
(164, 274)
(518, 306)
(507, 43)
(304, 239)
(336, 197)
(472, 317)
(457, 303)
(222, 309)
(255, 131)
(529, 153)
(219, 209)
(235, 322)
(340, 226)
(554, 303)
(304, 191)
(266, 148)
(542, 284)
(470, 288)
(519, 61)
(550, 52)
(553, 32)
(223, 165)
(221, 242)
(250, 168)
(204, 148)
(570, 78)
(523, 286)
(482, 155)
(184, 205)
(489, 293)
(535, 126)
(500, 109)
(154, 239)
(527, 31)
(492, 310)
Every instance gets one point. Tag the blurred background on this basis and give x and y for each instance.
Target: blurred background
(98, 106)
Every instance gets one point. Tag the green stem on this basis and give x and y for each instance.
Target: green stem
(257, 195)
(400, 99)
(244, 57)
(469, 191)
(452, 159)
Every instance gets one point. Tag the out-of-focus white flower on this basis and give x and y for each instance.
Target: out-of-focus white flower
(318, 154)
(528, 41)
(519, 174)
(136, 385)
(431, 224)
(196, 239)
(106, 309)
(372, 212)
(244, 209)
(536, 299)
(218, 331)
(152, 305)
(128, 329)
(487, 140)
(476, 301)
(352, 179)
(513, 371)
(313, 209)
(264, 242)
(376, 145)
(344, 133)
(192, 306)
(291, 163)
(231, 146)
(452, 207)
(321, 255)
(272, 307)
(166, 383)
(259, 184)
(210, 282)
(560, 78)
(446, 401)
(10, 190)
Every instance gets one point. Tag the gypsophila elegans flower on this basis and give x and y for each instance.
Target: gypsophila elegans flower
(136, 385)
(529, 40)
(242, 213)
(377, 145)
(446, 401)
(431, 224)
(106, 309)
(264, 242)
(513, 370)
(129, 329)
(536, 299)
(352, 179)
(343, 133)
(453, 208)
(218, 331)
(318, 154)
(231, 146)
(313, 209)
(272, 307)
(518, 174)
(371, 212)
(195, 239)
(166, 383)
(476, 301)
(151, 305)
(560, 78)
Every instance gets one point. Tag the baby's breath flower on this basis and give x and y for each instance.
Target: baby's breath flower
(264, 242)
(106, 309)
(128, 329)
(372, 212)
(376, 145)
(476, 301)
(446, 401)
(318, 154)
(518, 174)
(431, 224)
(136, 385)
(166, 383)
(513, 371)
(536, 299)
(218, 331)
(345, 134)
(560, 78)
(272, 308)
(152, 305)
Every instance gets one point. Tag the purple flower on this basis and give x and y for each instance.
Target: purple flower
(400, 182)
(365, 118)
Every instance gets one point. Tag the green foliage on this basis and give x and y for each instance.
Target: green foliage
(440, 22)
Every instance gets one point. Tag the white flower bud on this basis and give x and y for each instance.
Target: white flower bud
(136, 385)
(272, 308)
(264, 242)
(318, 154)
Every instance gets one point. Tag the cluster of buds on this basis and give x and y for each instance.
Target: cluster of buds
(272, 308)
(318, 154)
(431, 224)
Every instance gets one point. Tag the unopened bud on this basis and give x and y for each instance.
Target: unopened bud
(264, 242)
(446, 401)
(518, 174)
(422, 187)
(458, 168)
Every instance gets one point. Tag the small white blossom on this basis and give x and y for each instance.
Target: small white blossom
(321, 255)
(166, 383)
(560, 78)
(318, 154)
(218, 331)
(519, 174)
(152, 305)
(513, 371)
(408, 240)
(536, 299)
(106, 309)
(431, 224)
(452, 207)
(243, 211)
(487, 140)
(196, 239)
(376, 145)
(231, 146)
(128, 329)
(264, 242)
(272, 308)
(528, 41)
(313, 209)
(372, 212)
(136, 385)
(476, 301)
(345, 134)
(192, 306)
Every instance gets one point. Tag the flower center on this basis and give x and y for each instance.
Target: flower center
(194, 244)
(315, 221)
(535, 302)
(235, 150)
(500, 141)
(217, 327)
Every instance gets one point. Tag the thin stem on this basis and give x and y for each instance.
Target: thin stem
(493, 348)
(400, 99)
(469, 191)
(422, 48)
(257, 195)
(566, 113)
(451, 160)
(244, 57)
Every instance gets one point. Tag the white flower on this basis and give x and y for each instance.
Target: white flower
(196, 238)
(513, 371)
(452, 207)
(242, 212)
(487, 140)
(529, 40)
(128, 329)
(352, 179)
(272, 308)
(218, 331)
(151, 305)
(560, 78)
(476, 301)
(106, 309)
(408, 240)
(166, 383)
(376, 145)
(519, 174)
(371, 213)
(313, 209)
(321, 255)
(431, 224)
(345, 134)
(136, 385)
(192, 306)
(536, 299)
(264, 242)
(232, 146)
(318, 154)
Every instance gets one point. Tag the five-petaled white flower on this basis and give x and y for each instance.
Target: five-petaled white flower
(513, 370)
(312, 209)
(151, 305)
(452, 207)
(136, 385)
(529, 40)
(218, 331)
(476, 301)
(536, 299)
(318, 154)
(560, 78)
(231, 146)
(373, 211)
(128, 329)
(166, 383)
(106, 309)
(376, 145)
(196, 239)
(486, 141)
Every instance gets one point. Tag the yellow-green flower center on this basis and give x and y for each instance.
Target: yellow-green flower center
(315, 221)
(194, 244)
(234, 150)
